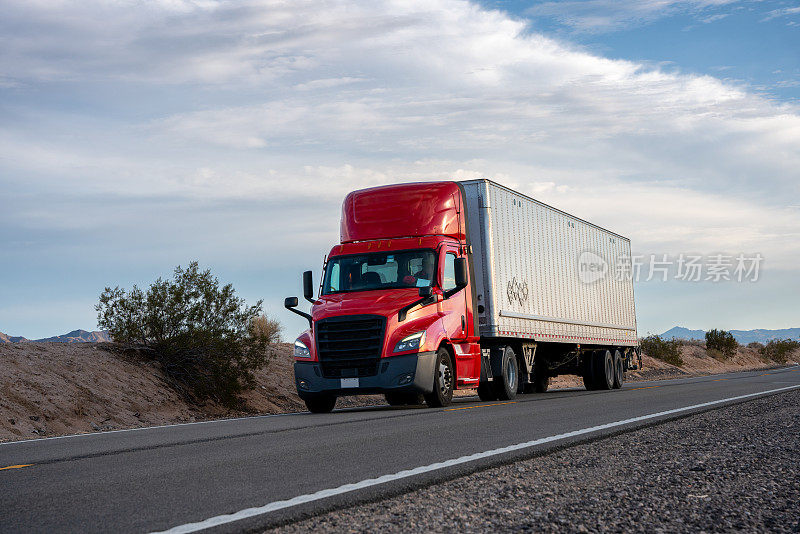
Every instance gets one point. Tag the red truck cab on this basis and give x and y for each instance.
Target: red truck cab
(394, 313)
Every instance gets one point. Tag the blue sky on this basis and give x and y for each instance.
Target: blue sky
(750, 43)
(138, 136)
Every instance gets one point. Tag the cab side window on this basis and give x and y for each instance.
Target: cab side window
(449, 276)
(335, 277)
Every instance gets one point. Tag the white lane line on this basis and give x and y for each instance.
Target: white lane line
(347, 488)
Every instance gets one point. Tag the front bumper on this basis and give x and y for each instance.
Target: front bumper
(410, 372)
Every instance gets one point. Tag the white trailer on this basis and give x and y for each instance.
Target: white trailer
(551, 286)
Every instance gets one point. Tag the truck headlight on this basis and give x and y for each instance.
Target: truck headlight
(300, 350)
(412, 342)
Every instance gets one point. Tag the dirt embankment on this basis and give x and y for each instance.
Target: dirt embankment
(49, 389)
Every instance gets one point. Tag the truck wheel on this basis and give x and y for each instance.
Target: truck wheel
(588, 382)
(541, 382)
(486, 392)
(403, 398)
(320, 403)
(619, 370)
(505, 385)
(603, 369)
(443, 380)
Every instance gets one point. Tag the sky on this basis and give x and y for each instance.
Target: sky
(137, 136)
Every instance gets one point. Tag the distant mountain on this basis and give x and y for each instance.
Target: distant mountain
(742, 336)
(679, 332)
(5, 338)
(76, 336)
(79, 336)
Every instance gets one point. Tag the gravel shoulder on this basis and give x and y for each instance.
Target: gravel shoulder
(734, 469)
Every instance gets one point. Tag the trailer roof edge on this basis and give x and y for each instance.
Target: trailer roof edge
(544, 204)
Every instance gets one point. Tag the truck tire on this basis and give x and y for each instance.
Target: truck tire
(603, 369)
(505, 385)
(619, 370)
(403, 399)
(588, 382)
(443, 380)
(320, 403)
(486, 392)
(540, 382)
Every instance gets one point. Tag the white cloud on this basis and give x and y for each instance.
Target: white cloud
(196, 113)
(783, 12)
(597, 16)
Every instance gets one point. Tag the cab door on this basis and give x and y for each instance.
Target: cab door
(454, 319)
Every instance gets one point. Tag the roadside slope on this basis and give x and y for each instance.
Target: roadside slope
(49, 389)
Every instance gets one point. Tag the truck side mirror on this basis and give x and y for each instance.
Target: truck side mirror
(308, 286)
(290, 303)
(461, 273)
(425, 294)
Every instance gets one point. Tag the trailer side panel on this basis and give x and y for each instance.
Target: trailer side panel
(539, 271)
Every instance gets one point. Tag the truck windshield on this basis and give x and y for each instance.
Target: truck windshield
(379, 270)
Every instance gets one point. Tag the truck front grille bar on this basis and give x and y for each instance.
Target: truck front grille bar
(350, 345)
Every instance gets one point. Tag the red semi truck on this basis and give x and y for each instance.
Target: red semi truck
(463, 285)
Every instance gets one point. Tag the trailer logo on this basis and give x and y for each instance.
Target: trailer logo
(517, 291)
(591, 267)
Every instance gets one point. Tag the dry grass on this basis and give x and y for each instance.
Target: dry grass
(266, 327)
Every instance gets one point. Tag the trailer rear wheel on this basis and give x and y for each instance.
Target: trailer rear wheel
(540, 382)
(505, 385)
(588, 381)
(603, 369)
(320, 403)
(619, 370)
(443, 379)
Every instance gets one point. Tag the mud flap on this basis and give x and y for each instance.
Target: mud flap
(486, 366)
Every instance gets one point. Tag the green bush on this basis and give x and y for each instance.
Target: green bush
(721, 344)
(662, 349)
(755, 345)
(207, 340)
(778, 350)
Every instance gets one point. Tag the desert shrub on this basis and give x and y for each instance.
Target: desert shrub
(668, 350)
(755, 345)
(778, 350)
(266, 327)
(208, 341)
(721, 344)
(717, 354)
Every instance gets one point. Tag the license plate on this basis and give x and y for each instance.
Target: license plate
(349, 382)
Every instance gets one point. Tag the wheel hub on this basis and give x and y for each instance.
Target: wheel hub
(511, 373)
(445, 378)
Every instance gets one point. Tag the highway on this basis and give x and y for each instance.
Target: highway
(249, 473)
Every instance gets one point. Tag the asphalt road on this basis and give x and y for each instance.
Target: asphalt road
(237, 474)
